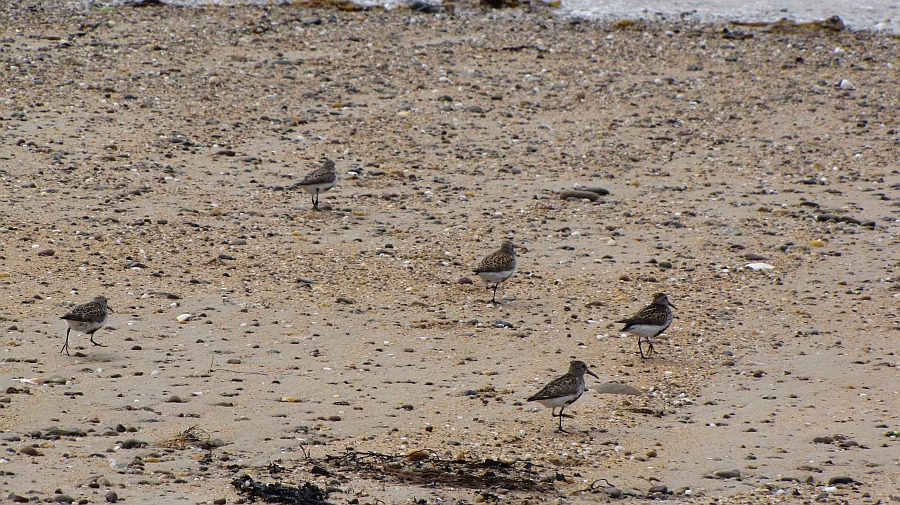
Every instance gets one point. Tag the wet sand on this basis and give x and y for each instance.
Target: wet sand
(149, 155)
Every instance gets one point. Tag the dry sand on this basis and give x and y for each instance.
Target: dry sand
(147, 154)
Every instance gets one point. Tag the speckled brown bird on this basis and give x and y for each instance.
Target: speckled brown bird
(319, 180)
(563, 391)
(497, 267)
(649, 322)
(87, 318)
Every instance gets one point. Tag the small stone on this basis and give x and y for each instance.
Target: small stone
(65, 432)
(578, 195)
(615, 388)
(133, 443)
(846, 85)
(111, 497)
(183, 318)
(174, 399)
(46, 252)
(613, 492)
(464, 280)
(843, 479)
(30, 451)
(732, 473)
(659, 490)
(418, 455)
(62, 498)
(817, 243)
(599, 191)
(334, 418)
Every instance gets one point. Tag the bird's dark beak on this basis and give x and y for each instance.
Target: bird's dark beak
(592, 373)
(671, 305)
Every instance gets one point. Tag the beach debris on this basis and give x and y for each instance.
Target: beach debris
(416, 469)
(191, 437)
(307, 494)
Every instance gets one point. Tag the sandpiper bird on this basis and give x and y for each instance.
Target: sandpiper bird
(87, 318)
(319, 180)
(498, 266)
(650, 322)
(563, 391)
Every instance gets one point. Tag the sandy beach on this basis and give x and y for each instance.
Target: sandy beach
(150, 155)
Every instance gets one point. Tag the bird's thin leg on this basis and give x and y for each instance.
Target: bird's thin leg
(315, 200)
(66, 345)
(95, 343)
(650, 349)
(560, 415)
(494, 298)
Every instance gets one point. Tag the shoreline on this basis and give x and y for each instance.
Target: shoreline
(686, 19)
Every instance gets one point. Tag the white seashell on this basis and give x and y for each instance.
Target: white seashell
(760, 266)
(183, 318)
(845, 84)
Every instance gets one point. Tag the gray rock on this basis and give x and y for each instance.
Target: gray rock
(731, 473)
(613, 492)
(842, 479)
(614, 388)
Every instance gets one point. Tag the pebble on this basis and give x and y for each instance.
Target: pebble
(133, 443)
(842, 479)
(183, 318)
(62, 498)
(594, 189)
(613, 492)
(846, 85)
(464, 280)
(579, 195)
(418, 455)
(615, 388)
(46, 252)
(30, 451)
(65, 432)
(731, 473)
(111, 497)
